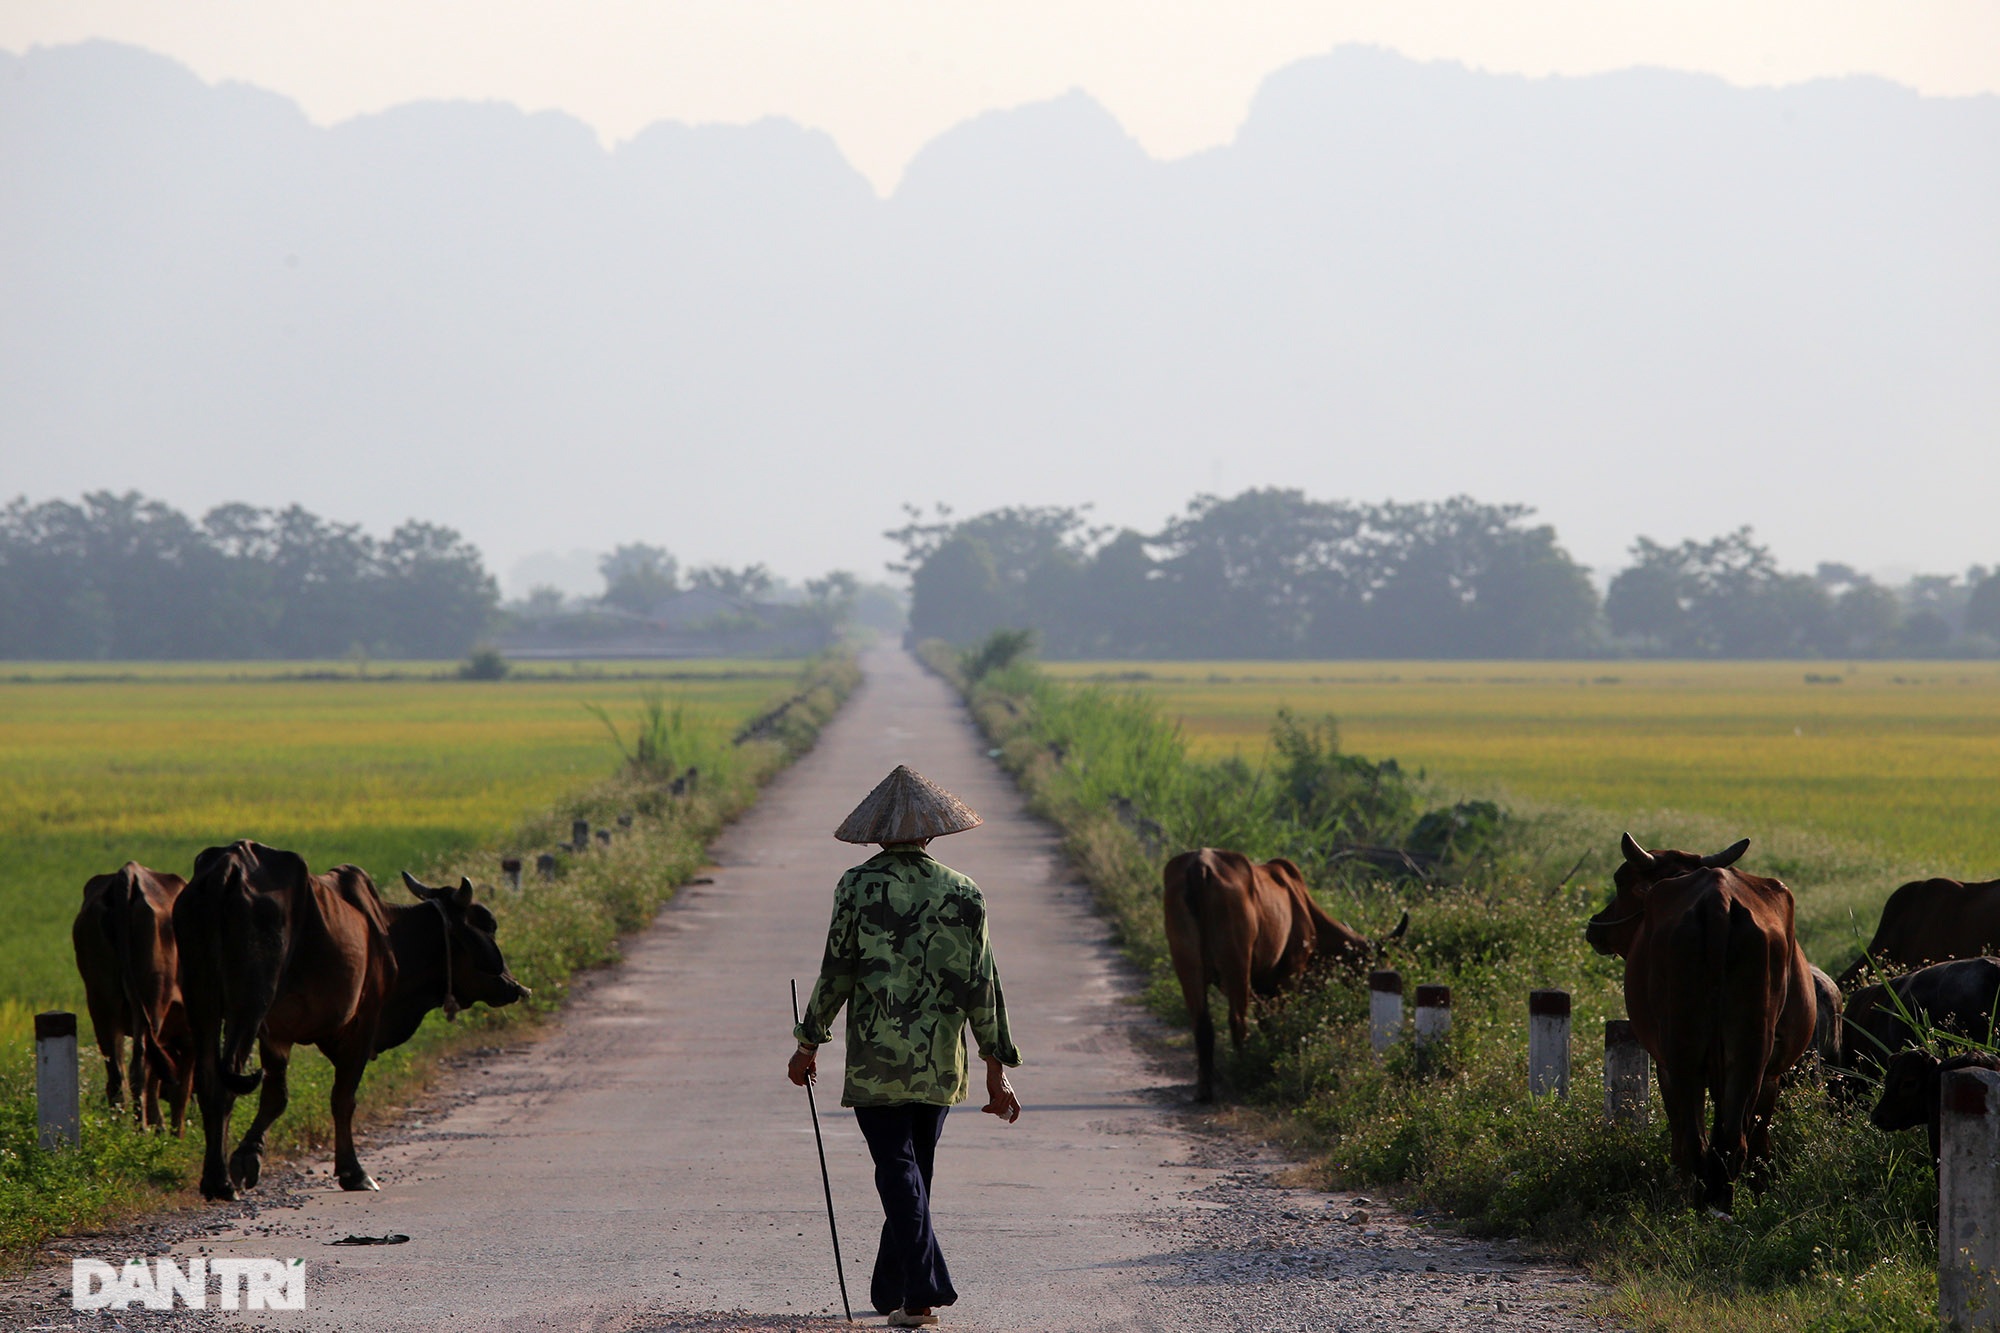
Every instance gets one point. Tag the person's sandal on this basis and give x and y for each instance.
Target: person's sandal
(911, 1319)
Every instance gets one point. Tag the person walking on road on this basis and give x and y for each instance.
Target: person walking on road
(909, 957)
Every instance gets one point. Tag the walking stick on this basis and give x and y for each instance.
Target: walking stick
(825, 1180)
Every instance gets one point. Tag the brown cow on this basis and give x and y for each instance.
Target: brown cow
(275, 955)
(1931, 921)
(124, 942)
(1719, 994)
(1248, 929)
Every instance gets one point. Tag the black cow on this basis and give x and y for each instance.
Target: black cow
(1910, 1090)
(1960, 997)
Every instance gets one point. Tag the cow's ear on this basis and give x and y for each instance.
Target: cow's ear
(1728, 856)
(1634, 853)
(416, 887)
(463, 898)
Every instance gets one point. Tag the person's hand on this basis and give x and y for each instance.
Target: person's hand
(1000, 1098)
(804, 1067)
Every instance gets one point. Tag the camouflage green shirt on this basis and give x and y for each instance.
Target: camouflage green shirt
(909, 956)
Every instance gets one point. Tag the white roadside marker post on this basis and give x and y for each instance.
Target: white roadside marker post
(1385, 1009)
(1969, 1200)
(1433, 1014)
(58, 1113)
(1627, 1069)
(1548, 1042)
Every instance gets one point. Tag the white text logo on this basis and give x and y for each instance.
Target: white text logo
(240, 1284)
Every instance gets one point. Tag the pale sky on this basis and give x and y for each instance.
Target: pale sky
(883, 77)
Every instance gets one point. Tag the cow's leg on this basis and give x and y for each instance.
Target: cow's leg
(1184, 947)
(349, 1064)
(1729, 1140)
(1682, 1105)
(108, 1042)
(178, 1091)
(246, 1164)
(141, 1083)
(1194, 993)
(1204, 1053)
(1236, 990)
(1757, 1160)
(214, 1101)
(145, 1086)
(1744, 1099)
(105, 1003)
(1723, 1161)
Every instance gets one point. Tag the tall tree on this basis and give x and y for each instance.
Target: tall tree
(638, 577)
(956, 594)
(1721, 598)
(749, 582)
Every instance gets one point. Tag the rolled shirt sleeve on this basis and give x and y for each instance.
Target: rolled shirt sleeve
(988, 1011)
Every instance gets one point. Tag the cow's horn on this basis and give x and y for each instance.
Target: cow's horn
(1401, 926)
(1634, 852)
(416, 886)
(1728, 856)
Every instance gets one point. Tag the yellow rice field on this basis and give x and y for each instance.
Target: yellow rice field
(100, 763)
(1900, 759)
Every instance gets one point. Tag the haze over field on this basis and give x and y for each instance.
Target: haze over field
(1645, 302)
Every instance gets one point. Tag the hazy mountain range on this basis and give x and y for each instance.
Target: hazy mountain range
(1645, 302)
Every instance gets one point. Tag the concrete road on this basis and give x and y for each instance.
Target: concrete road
(647, 1166)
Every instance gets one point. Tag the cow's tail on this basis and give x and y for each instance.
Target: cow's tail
(1715, 959)
(248, 936)
(1190, 880)
(1186, 882)
(1196, 878)
(131, 921)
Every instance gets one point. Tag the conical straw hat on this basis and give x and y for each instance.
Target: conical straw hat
(904, 807)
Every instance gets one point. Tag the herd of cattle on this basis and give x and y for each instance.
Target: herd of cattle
(255, 950)
(1716, 986)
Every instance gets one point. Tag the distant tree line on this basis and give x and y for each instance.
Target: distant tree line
(638, 577)
(1274, 574)
(650, 608)
(1728, 598)
(122, 577)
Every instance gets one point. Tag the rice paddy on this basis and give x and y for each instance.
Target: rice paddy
(1891, 769)
(104, 762)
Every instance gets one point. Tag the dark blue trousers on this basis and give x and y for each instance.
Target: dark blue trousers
(909, 1270)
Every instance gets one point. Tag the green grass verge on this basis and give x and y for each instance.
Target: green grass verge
(1843, 1240)
(548, 931)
